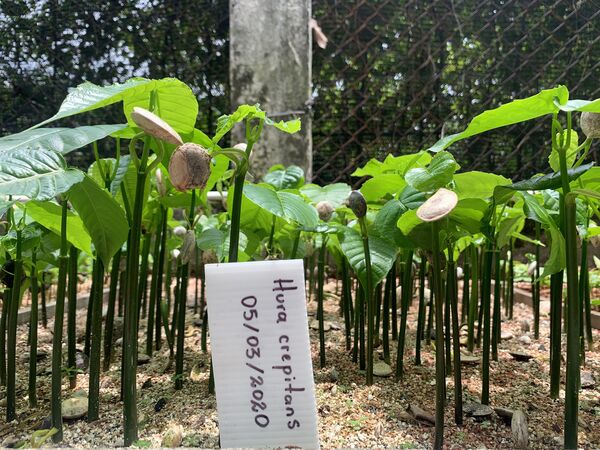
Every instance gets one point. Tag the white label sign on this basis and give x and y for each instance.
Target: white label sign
(261, 354)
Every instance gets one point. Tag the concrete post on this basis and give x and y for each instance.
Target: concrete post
(270, 63)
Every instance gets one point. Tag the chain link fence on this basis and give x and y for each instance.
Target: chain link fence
(396, 75)
(399, 74)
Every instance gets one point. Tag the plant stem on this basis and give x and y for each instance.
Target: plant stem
(394, 301)
(464, 311)
(556, 287)
(110, 313)
(488, 254)
(422, 308)
(130, 323)
(536, 286)
(11, 341)
(496, 307)
(347, 299)
(159, 282)
(452, 298)
(404, 300)
(71, 316)
(55, 398)
(584, 293)
(143, 282)
(369, 300)
(33, 333)
(474, 297)
(154, 285)
(320, 299)
(96, 341)
(386, 318)
(440, 378)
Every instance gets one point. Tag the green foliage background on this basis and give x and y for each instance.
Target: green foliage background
(396, 75)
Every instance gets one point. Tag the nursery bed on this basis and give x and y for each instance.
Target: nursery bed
(350, 413)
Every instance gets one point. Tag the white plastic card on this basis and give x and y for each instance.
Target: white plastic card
(261, 354)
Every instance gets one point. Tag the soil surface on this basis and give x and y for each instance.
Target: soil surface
(350, 413)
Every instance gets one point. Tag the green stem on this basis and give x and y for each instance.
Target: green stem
(96, 341)
(452, 298)
(346, 300)
(584, 288)
(440, 379)
(33, 333)
(59, 311)
(11, 341)
(320, 299)
(556, 287)
(130, 322)
(159, 282)
(296, 243)
(474, 297)
(422, 308)
(404, 300)
(536, 286)
(71, 316)
(386, 318)
(110, 313)
(485, 306)
(369, 300)
(496, 307)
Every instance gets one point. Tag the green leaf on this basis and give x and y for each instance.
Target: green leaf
(587, 193)
(590, 180)
(381, 185)
(550, 181)
(335, 193)
(290, 126)
(557, 260)
(283, 204)
(225, 123)
(49, 214)
(477, 184)
(280, 177)
(36, 173)
(468, 214)
(581, 105)
(175, 103)
(102, 216)
(382, 255)
(218, 241)
(438, 174)
(510, 113)
(553, 159)
(393, 164)
(88, 96)
(61, 140)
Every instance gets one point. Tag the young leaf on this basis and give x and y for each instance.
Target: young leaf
(36, 173)
(550, 181)
(335, 193)
(510, 113)
(438, 174)
(88, 96)
(61, 140)
(477, 184)
(381, 185)
(48, 215)
(382, 254)
(102, 216)
(286, 205)
(175, 103)
(280, 177)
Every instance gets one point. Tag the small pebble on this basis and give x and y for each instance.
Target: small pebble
(525, 339)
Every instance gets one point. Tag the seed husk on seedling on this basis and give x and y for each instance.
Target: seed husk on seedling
(438, 206)
(189, 167)
(154, 126)
(590, 124)
(325, 210)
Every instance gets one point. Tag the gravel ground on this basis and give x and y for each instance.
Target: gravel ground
(350, 413)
